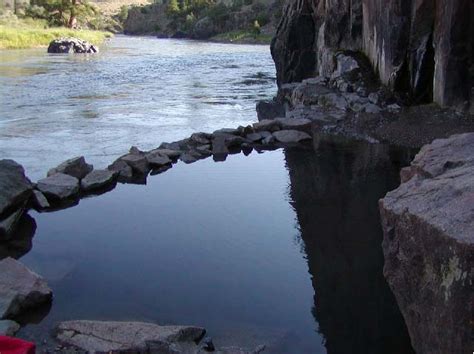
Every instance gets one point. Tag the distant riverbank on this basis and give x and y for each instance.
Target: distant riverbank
(22, 34)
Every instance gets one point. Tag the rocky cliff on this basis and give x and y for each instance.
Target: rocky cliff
(429, 245)
(423, 48)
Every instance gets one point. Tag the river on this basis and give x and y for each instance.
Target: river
(137, 91)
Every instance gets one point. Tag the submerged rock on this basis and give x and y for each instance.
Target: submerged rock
(98, 179)
(137, 337)
(20, 289)
(428, 245)
(59, 186)
(291, 136)
(15, 187)
(71, 45)
(76, 167)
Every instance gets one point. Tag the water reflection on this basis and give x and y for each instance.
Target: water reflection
(21, 241)
(335, 193)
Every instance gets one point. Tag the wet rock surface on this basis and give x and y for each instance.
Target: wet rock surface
(429, 245)
(72, 45)
(20, 289)
(98, 179)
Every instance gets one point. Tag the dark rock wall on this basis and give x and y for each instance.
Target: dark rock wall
(422, 48)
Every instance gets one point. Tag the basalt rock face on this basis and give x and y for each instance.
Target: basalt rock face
(429, 245)
(419, 47)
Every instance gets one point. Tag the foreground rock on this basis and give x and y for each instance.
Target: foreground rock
(20, 289)
(428, 245)
(15, 188)
(59, 186)
(71, 45)
(76, 167)
(137, 337)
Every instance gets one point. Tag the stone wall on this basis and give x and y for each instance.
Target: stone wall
(419, 47)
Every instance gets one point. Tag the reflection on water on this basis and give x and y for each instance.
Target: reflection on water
(335, 194)
(137, 91)
(251, 250)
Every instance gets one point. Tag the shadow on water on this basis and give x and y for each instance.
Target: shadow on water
(335, 194)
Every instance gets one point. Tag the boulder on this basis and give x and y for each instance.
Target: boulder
(76, 167)
(59, 186)
(136, 337)
(428, 245)
(20, 289)
(219, 148)
(122, 168)
(270, 109)
(254, 137)
(8, 328)
(138, 162)
(291, 136)
(71, 45)
(190, 157)
(172, 154)
(270, 125)
(15, 187)
(98, 179)
(157, 159)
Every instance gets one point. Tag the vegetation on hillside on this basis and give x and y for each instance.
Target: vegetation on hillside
(28, 33)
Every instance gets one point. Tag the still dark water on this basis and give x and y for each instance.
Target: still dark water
(281, 248)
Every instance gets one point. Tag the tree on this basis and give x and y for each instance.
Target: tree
(173, 7)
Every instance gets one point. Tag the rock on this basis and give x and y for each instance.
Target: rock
(227, 131)
(189, 157)
(59, 186)
(8, 225)
(267, 124)
(344, 64)
(394, 108)
(172, 154)
(201, 138)
(269, 110)
(157, 159)
(302, 124)
(413, 45)
(71, 45)
(219, 148)
(20, 289)
(15, 187)
(135, 151)
(204, 28)
(291, 136)
(136, 337)
(254, 137)
(98, 179)
(138, 163)
(39, 200)
(8, 328)
(122, 168)
(428, 245)
(76, 167)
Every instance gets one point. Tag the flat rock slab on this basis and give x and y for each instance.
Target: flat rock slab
(136, 337)
(98, 179)
(59, 186)
(428, 245)
(291, 136)
(76, 167)
(15, 188)
(8, 328)
(20, 289)
(270, 125)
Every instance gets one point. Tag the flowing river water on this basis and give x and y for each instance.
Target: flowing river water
(280, 248)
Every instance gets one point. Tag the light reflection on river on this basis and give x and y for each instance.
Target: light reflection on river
(137, 91)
